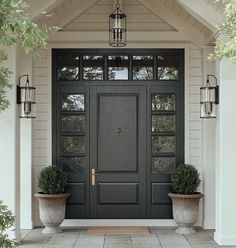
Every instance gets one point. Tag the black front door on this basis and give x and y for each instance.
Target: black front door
(118, 133)
(118, 152)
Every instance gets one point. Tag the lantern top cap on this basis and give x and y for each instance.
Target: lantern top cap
(117, 12)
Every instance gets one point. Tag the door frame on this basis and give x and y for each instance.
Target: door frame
(55, 88)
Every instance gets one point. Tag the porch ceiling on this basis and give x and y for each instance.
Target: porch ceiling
(198, 23)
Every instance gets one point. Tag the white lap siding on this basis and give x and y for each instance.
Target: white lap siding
(40, 124)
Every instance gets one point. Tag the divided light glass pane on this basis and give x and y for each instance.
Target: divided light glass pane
(143, 67)
(93, 67)
(167, 67)
(163, 123)
(68, 68)
(163, 102)
(163, 165)
(73, 164)
(73, 102)
(73, 144)
(118, 67)
(73, 123)
(163, 144)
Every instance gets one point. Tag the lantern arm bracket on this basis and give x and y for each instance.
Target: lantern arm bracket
(216, 87)
(24, 75)
(208, 80)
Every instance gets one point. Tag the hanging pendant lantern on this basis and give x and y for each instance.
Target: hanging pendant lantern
(209, 98)
(26, 99)
(117, 27)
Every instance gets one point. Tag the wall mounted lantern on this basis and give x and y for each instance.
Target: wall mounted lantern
(26, 98)
(209, 97)
(117, 27)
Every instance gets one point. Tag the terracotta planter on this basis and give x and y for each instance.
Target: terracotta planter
(185, 211)
(52, 211)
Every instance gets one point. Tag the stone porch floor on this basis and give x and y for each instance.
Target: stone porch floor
(159, 237)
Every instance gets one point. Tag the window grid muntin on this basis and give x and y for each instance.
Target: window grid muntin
(130, 69)
(63, 133)
(155, 155)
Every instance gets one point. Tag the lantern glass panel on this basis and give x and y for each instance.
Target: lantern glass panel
(208, 110)
(117, 37)
(27, 94)
(27, 110)
(208, 94)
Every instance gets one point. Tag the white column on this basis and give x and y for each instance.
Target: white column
(9, 147)
(208, 152)
(25, 67)
(225, 233)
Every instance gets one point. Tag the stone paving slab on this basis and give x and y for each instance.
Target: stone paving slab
(159, 237)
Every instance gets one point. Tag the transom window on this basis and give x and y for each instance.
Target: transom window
(87, 67)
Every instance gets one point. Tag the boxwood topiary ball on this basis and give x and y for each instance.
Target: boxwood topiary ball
(52, 180)
(185, 179)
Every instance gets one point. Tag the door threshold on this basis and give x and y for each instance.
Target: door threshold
(118, 222)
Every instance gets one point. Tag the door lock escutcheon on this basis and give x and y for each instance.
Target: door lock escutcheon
(93, 177)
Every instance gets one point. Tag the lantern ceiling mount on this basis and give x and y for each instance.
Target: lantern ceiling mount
(117, 27)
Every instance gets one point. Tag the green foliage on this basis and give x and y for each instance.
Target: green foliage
(185, 179)
(52, 180)
(226, 47)
(16, 28)
(6, 221)
(4, 84)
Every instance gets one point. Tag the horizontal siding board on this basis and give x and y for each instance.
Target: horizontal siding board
(40, 143)
(42, 116)
(40, 125)
(40, 63)
(108, 8)
(194, 134)
(195, 62)
(133, 18)
(41, 99)
(41, 107)
(130, 26)
(195, 54)
(195, 71)
(196, 80)
(40, 80)
(195, 143)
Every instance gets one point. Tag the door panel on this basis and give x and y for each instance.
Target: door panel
(118, 151)
(117, 193)
(117, 133)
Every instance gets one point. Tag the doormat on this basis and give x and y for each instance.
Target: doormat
(118, 230)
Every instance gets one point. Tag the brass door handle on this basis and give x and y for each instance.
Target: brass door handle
(93, 177)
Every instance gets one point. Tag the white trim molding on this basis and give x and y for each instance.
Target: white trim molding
(116, 222)
(224, 239)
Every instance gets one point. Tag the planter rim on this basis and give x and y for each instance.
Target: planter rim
(41, 195)
(193, 196)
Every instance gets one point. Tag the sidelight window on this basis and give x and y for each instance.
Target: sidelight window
(73, 134)
(163, 137)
